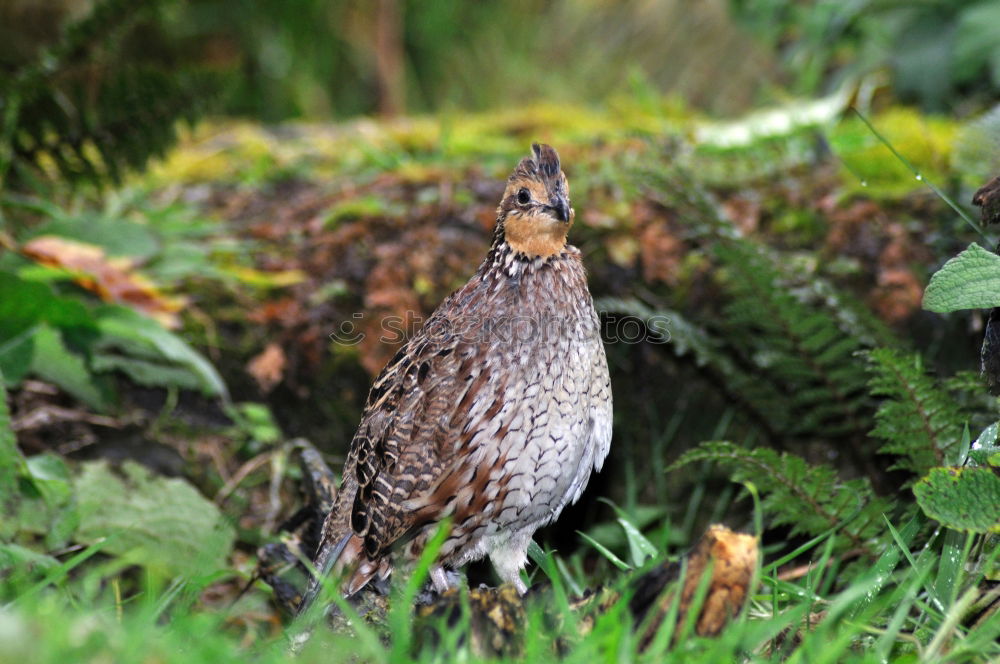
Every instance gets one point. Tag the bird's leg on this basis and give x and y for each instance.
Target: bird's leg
(509, 560)
(439, 577)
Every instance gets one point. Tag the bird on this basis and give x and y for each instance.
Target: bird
(492, 416)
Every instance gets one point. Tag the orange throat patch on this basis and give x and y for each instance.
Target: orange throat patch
(536, 235)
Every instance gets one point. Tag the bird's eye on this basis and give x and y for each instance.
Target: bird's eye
(523, 197)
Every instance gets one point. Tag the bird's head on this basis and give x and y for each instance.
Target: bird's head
(534, 214)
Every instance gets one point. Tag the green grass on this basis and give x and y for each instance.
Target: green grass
(908, 606)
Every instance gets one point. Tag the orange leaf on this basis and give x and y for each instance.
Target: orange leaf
(112, 279)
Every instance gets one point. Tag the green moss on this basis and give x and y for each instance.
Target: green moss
(870, 167)
(357, 208)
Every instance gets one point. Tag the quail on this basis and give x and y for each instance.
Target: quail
(493, 415)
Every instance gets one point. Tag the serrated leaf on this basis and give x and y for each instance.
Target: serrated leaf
(920, 422)
(970, 280)
(161, 523)
(809, 498)
(961, 498)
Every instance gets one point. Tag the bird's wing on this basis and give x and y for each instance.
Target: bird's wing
(418, 412)
(601, 409)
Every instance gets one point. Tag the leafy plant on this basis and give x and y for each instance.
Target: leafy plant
(809, 498)
(801, 347)
(919, 422)
(782, 343)
(970, 280)
(962, 498)
(77, 345)
(161, 523)
(934, 50)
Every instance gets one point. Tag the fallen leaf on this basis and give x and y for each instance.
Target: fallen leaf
(662, 253)
(268, 367)
(112, 279)
(898, 294)
(733, 560)
(286, 311)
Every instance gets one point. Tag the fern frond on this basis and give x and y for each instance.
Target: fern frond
(132, 118)
(710, 355)
(82, 113)
(787, 327)
(798, 345)
(919, 421)
(810, 499)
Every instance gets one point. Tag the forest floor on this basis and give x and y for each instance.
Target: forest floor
(271, 248)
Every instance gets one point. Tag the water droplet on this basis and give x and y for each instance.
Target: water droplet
(920, 178)
(864, 183)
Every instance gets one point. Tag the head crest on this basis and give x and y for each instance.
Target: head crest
(547, 159)
(544, 164)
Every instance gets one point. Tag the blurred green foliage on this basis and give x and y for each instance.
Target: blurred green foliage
(321, 58)
(90, 103)
(317, 58)
(941, 54)
(275, 60)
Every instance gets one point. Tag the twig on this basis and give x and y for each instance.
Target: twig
(241, 474)
(919, 176)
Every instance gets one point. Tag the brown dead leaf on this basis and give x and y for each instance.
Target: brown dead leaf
(897, 295)
(268, 368)
(112, 279)
(733, 557)
(662, 253)
(286, 312)
(404, 285)
(733, 560)
(744, 212)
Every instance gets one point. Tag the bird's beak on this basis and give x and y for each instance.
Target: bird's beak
(560, 207)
